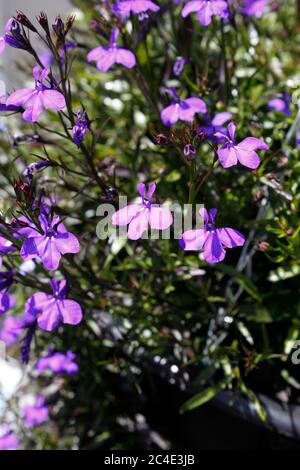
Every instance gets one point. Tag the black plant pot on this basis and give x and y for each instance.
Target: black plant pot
(229, 421)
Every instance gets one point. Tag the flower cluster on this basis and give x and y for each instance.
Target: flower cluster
(39, 254)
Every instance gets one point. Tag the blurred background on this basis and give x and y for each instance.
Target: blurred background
(31, 8)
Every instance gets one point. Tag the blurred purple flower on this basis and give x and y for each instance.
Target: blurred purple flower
(281, 105)
(51, 244)
(125, 8)
(81, 127)
(8, 440)
(36, 414)
(11, 330)
(138, 216)
(37, 99)
(179, 65)
(244, 152)
(107, 56)
(206, 9)
(58, 363)
(7, 301)
(68, 46)
(183, 110)
(211, 239)
(49, 310)
(254, 7)
(47, 58)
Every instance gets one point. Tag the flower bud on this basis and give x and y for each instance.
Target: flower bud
(43, 20)
(24, 20)
(59, 27)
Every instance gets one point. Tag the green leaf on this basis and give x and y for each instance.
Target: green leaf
(283, 273)
(289, 379)
(141, 53)
(245, 332)
(255, 401)
(203, 397)
(244, 282)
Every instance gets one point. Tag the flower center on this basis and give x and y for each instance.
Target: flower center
(50, 233)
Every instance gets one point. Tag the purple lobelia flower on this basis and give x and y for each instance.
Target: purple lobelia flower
(36, 414)
(254, 7)
(81, 127)
(138, 216)
(107, 56)
(181, 110)
(206, 9)
(50, 244)
(125, 8)
(8, 440)
(36, 99)
(49, 310)
(282, 105)
(11, 330)
(213, 125)
(7, 301)
(244, 152)
(59, 363)
(211, 239)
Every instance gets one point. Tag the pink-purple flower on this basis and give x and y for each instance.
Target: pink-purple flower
(49, 242)
(206, 9)
(58, 363)
(125, 8)
(36, 414)
(181, 110)
(244, 152)
(8, 440)
(213, 241)
(139, 216)
(281, 104)
(254, 7)
(107, 56)
(11, 330)
(36, 99)
(50, 310)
